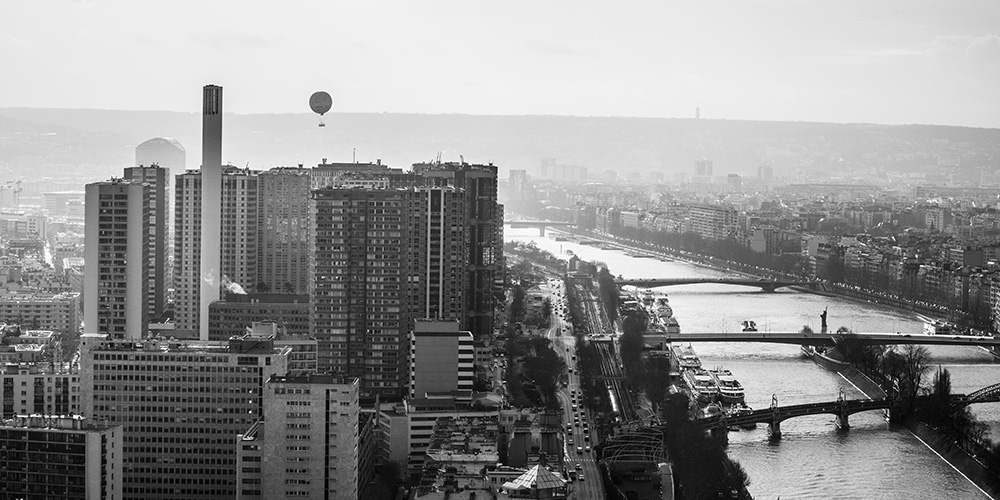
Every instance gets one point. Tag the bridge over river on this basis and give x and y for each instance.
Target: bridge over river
(826, 339)
(766, 285)
(841, 408)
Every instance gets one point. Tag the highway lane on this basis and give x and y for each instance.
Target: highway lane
(576, 421)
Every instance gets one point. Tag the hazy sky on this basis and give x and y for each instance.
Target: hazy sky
(908, 61)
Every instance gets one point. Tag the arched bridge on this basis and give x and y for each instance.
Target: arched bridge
(989, 394)
(841, 408)
(766, 285)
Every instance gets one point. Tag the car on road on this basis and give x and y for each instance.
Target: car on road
(580, 476)
(579, 450)
(579, 466)
(588, 448)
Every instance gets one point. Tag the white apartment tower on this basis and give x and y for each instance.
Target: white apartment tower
(158, 179)
(307, 443)
(116, 279)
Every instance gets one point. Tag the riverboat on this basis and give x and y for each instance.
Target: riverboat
(939, 327)
(686, 358)
(730, 389)
(701, 382)
(741, 409)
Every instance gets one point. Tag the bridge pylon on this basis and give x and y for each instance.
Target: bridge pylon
(775, 425)
(842, 416)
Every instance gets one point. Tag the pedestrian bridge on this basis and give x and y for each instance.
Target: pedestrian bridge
(827, 339)
(766, 285)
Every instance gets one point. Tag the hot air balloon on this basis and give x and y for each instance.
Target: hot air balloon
(320, 102)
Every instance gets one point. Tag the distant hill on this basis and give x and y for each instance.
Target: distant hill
(99, 141)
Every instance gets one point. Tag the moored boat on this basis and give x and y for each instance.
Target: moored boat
(686, 358)
(730, 389)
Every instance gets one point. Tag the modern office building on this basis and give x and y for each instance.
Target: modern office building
(158, 179)
(116, 249)
(210, 255)
(57, 457)
(307, 443)
(181, 404)
(283, 232)
(360, 308)
(484, 227)
(441, 359)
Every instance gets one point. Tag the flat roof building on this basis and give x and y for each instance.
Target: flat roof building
(56, 457)
(307, 443)
(181, 404)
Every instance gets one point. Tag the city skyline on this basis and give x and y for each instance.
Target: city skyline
(893, 63)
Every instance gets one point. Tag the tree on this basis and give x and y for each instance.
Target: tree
(609, 293)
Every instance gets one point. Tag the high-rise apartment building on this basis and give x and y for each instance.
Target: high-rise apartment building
(237, 221)
(283, 231)
(158, 179)
(60, 458)
(181, 405)
(187, 251)
(484, 226)
(210, 254)
(116, 279)
(360, 308)
(307, 444)
(439, 246)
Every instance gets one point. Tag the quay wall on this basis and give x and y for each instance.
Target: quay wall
(960, 459)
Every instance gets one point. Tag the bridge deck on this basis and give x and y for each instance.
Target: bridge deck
(826, 339)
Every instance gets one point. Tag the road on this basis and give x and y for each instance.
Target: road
(576, 421)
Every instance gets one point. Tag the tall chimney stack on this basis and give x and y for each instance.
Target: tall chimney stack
(211, 202)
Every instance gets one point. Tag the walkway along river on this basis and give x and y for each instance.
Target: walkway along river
(814, 459)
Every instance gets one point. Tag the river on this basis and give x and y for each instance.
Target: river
(814, 459)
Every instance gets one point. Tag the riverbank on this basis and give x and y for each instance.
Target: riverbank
(958, 458)
(943, 446)
(825, 289)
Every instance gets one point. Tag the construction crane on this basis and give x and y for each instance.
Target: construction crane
(438, 161)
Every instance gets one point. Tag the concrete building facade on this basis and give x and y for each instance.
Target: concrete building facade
(181, 404)
(116, 249)
(158, 179)
(283, 238)
(441, 358)
(88, 454)
(307, 444)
